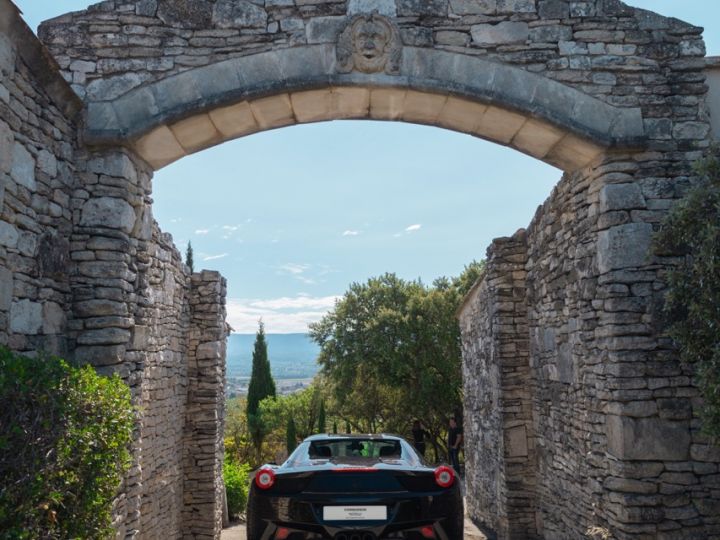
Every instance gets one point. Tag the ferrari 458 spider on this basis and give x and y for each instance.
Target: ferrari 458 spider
(354, 487)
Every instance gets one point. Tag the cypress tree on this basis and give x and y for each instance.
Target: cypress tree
(290, 436)
(335, 427)
(347, 427)
(321, 418)
(189, 257)
(261, 385)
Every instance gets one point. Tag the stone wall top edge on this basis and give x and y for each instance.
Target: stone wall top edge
(38, 59)
(270, 73)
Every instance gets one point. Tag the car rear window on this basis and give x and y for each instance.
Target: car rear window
(370, 448)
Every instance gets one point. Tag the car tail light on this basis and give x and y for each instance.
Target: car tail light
(265, 478)
(427, 532)
(282, 533)
(444, 476)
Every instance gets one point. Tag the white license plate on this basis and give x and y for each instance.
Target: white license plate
(354, 513)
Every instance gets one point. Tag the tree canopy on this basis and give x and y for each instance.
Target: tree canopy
(390, 352)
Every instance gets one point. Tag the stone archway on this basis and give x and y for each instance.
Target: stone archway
(585, 392)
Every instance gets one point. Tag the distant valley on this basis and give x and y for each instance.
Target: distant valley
(292, 356)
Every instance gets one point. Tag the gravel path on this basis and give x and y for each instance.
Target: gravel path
(237, 532)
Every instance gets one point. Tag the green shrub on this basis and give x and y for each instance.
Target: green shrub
(64, 436)
(693, 300)
(236, 485)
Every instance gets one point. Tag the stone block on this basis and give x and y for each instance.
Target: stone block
(112, 87)
(26, 317)
(146, 8)
(503, 33)
(7, 142)
(100, 355)
(7, 56)
(324, 29)
(621, 197)
(238, 14)
(273, 112)
(422, 107)
(100, 308)
(537, 138)
(387, 103)
(500, 125)
(573, 153)
(648, 439)
(554, 9)
(109, 212)
(114, 164)
(624, 246)
(235, 120)
(104, 336)
(351, 102)
(23, 167)
(196, 133)
(516, 442)
(140, 337)
(312, 106)
(211, 350)
(47, 163)
(552, 33)
(473, 7)
(516, 6)
(8, 235)
(6, 288)
(383, 7)
(185, 13)
(54, 318)
(159, 147)
(461, 115)
(409, 8)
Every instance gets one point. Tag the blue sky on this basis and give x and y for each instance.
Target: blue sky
(292, 216)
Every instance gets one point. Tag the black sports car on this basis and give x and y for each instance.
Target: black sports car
(354, 487)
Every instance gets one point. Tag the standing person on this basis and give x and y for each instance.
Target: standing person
(419, 433)
(455, 438)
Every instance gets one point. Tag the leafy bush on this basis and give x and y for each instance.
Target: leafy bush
(236, 485)
(64, 435)
(693, 300)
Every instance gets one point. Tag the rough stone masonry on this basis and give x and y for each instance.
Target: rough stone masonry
(577, 411)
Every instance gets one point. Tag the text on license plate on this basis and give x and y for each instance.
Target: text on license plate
(351, 513)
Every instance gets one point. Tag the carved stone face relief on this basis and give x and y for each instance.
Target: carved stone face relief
(369, 44)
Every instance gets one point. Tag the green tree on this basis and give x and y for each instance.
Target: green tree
(322, 423)
(290, 436)
(260, 387)
(189, 257)
(335, 427)
(390, 350)
(692, 231)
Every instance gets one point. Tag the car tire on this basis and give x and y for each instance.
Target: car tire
(252, 522)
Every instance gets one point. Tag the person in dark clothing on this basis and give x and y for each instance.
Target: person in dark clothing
(419, 433)
(455, 439)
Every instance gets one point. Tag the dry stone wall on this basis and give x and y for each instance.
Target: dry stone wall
(86, 273)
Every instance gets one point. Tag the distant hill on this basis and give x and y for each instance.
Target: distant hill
(292, 356)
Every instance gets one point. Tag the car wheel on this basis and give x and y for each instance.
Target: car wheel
(253, 523)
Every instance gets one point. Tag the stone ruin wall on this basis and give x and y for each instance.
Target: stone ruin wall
(86, 273)
(614, 438)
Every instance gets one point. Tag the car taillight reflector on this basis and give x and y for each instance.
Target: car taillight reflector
(444, 476)
(265, 478)
(282, 533)
(427, 532)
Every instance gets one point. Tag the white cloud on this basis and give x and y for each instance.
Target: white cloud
(230, 228)
(202, 231)
(293, 268)
(215, 257)
(413, 228)
(280, 315)
(351, 233)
